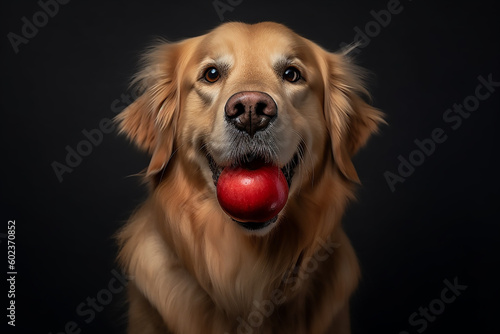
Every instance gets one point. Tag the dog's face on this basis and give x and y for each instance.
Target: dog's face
(245, 92)
(268, 75)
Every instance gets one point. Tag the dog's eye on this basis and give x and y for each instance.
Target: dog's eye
(211, 74)
(291, 74)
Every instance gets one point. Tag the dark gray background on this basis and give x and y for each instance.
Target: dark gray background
(439, 224)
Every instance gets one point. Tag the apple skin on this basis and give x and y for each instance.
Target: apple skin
(252, 194)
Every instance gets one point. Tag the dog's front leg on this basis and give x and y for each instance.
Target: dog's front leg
(143, 318)
(161, 284)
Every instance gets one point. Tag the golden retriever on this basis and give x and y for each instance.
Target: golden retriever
(193, 268)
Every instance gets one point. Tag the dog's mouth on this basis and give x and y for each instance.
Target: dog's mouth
(266, 199)
(247, 161)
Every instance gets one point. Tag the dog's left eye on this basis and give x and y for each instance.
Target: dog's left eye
(291, 74)
(211, 74)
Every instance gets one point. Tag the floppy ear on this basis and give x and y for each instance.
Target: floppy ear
(349, 119)
(151, 119)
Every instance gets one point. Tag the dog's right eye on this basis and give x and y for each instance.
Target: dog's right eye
(211, 75)
(292, 74)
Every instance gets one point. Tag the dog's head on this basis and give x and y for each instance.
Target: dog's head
(245, 92)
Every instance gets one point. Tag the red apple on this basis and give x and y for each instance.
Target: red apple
(252, 194)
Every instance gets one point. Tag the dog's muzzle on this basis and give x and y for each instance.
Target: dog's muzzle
(249, 115)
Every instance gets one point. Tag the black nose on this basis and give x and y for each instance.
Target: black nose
(250, 111)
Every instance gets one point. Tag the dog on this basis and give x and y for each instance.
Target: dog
(303, 109)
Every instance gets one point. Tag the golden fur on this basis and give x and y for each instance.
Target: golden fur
(193, 269)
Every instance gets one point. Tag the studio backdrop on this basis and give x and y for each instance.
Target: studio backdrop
(425, 221)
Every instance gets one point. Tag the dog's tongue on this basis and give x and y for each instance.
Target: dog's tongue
(255, 192)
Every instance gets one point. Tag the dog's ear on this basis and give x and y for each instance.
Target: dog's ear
(150, 121)
(349, 119)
